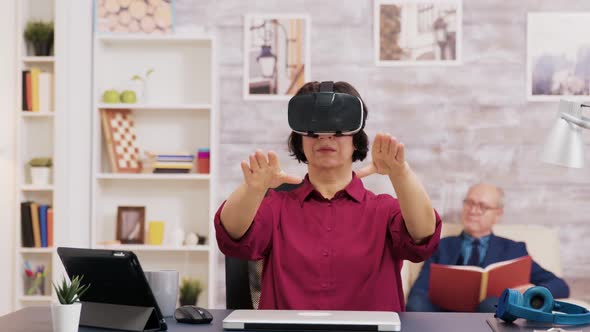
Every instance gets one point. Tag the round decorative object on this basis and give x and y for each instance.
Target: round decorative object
(191, 239)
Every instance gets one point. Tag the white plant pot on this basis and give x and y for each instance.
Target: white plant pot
(65, 317)
(40, 175)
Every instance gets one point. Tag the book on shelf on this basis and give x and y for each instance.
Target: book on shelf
(175, 158)
(50, 227)
(45, 92)
(26, 90)
(27, 238)
(43, 224)
(35, 89)
(171, 171)
(36, 226)
(462, 288)
(176, 165)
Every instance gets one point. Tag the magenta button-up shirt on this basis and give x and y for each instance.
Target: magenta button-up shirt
(340, 254)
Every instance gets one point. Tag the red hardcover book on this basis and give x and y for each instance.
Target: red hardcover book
(462, 288)
(29, 86)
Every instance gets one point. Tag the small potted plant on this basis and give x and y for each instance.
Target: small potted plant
(40, 170)
(190, 289)
(40, 35)
(66, 313)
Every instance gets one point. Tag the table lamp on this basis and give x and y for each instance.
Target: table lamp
(565, 146)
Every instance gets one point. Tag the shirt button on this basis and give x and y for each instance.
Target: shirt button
(325, 253)
(329, 204)
(324, 285)
(329, 229)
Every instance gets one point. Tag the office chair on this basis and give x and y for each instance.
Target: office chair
(242, 277)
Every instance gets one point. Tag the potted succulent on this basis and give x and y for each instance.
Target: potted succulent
(66, 313)
(40, 170)
(40, 35)
(190, 289)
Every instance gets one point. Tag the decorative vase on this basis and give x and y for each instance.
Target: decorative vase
(43, 47)
(66, 317)
(146, 92)
(40, 175)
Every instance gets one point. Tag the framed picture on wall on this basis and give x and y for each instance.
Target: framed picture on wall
(137, 16)
(276, 55)
(417, 32)
(558, 56)
(131, 224)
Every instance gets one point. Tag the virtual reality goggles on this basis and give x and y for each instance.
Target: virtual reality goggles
(326, 113)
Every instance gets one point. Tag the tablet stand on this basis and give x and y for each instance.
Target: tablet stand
(119, 317)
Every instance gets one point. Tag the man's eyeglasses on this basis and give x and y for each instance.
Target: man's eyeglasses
(468, 203)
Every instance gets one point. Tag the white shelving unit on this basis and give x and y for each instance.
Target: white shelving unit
(178, 115)
(149, 176)
(35, 137)
(161, 107)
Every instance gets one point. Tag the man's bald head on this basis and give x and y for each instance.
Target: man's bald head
(482, 207)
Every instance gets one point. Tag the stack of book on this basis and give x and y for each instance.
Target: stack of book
(172, 163)
(37, 89)
(36, 225)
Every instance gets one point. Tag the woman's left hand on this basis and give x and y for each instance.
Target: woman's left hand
(388, 157)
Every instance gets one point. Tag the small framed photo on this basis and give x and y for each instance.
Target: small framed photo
(137, 16)
(131, 224)
(558, 56)
(417, 32)
(276, 55)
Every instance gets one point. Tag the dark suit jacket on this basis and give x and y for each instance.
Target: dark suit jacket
(499, 249)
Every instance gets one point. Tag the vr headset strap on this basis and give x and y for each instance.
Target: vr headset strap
(327, 86)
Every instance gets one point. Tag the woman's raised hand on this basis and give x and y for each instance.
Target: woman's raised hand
(262, 172)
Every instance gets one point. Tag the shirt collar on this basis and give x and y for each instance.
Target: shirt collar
(355, 189)
(483, 240)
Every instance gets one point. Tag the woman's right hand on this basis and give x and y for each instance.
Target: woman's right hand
(262, 173)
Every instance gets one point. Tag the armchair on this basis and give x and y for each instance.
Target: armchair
(542, 244)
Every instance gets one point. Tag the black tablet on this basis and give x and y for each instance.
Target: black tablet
(118, 285)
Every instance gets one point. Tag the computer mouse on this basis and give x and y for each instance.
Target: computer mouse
(192, 315)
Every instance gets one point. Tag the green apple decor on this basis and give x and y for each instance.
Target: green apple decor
(128, 96)
(111, 97)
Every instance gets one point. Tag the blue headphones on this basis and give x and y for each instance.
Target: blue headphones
(537, 304)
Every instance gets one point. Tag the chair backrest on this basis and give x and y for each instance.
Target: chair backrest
(237, 284)
(542, 244)
(243, 277)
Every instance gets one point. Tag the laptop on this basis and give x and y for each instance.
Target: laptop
(312, 320)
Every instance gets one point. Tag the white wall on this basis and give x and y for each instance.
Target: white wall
(460, 124)
(7, 155)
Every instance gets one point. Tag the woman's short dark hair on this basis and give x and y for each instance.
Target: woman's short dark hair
(359, 140)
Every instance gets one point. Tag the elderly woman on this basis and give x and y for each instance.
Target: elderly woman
(330, 244)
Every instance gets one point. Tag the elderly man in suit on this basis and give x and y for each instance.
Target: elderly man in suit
(477, 245)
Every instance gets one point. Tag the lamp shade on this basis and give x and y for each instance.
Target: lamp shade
(267, 61)
(564, 146)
